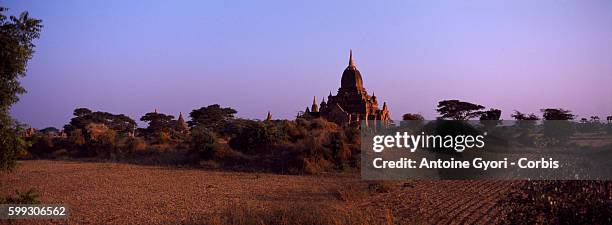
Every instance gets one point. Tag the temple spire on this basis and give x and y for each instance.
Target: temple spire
(315, 107)
(269, 116)
(351, 61)
(182, 124)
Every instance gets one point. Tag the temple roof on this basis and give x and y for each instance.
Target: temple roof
(351, 77)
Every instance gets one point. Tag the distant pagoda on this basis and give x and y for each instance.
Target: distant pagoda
(351, 104)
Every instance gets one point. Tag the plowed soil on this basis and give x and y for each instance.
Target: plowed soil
(118, 193)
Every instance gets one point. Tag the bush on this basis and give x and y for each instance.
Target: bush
(256, 136)
(42, 146)
(77, 138)
(558, 202)
(203, 142)
(104, 145)
(135, 144)
(163, 137)
(339, 147)
(29, 197)
(380, 187)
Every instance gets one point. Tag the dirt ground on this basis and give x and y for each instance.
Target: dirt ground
(118, 193)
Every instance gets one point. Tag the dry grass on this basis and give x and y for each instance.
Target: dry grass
(299, 214)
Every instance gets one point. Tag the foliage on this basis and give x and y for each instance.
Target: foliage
(135, 144)
(42, 145)
(83, 117)
(76, 137)
(490, 118)
(557, 125)
(525, 122)
(31, 196)
(213, 117)
(557, 114)
(17, 34)
(380, 187)
(558, 202)
(339, 147)
(412, 116)
(255, 135)
(102, 142)
(521, 116)
(203, 142)
(11, 144)
(158, 123)
(458, 110)
(50, 131)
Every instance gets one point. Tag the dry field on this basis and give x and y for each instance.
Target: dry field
(117, 193)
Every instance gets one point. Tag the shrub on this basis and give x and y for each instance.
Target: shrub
(104, 144)
(339, 147)
(256, 136)
(29, 197)
(380, 187)
(558, 202)
(322, 124)
(135, 144)
(42, 145)
(76, 137)
(61, 154)
(163, 137)
(203, 142)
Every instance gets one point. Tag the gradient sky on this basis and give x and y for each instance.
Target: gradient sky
(134, 56)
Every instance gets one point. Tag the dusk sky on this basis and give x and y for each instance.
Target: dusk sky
(256, 56)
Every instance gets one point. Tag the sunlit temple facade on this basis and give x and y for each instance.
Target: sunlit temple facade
(352, 104)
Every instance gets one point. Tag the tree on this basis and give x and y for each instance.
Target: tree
(83, 117)
(16, 49)
(490, 118)
(521, 116)
(557, 124)
(158, 122)
(50, 131)
(458, 110)
(412, 121)
(256, 135)
(212, 117)
(203, 142)
(557, 114)
(412, 116)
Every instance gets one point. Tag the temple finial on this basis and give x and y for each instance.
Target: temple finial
(351, 61)
(315, 107)
(269, 116)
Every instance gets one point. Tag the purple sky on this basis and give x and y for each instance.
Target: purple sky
(133, 56)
